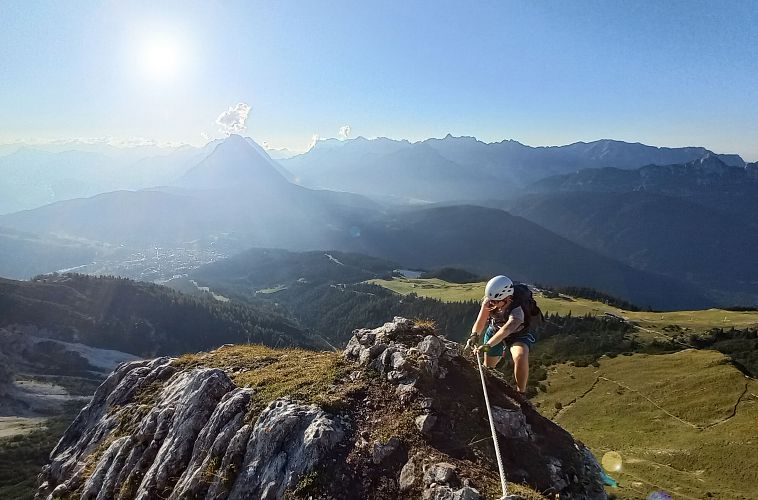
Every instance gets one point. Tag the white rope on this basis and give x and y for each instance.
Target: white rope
(492, 428)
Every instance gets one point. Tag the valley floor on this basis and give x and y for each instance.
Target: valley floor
(34, 412)
(13, 426)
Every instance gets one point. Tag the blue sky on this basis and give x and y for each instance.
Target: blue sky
(663, 73)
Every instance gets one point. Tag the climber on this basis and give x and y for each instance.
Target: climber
(507, 316)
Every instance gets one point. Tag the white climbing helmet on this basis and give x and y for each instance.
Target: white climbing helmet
(499, 288)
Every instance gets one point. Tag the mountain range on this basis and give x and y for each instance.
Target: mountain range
(693, 221)
(236, 190)
(38, 175)
(614, 236)
(463, 168)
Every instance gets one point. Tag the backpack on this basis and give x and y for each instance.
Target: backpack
(523, 297)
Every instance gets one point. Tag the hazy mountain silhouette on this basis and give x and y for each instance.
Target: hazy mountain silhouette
(235, 190)
(39, 175)
(32, 178)
(463, 168)
(654, 232)
(489, 241)
(693, 221)
(234, 163)
(704, 176)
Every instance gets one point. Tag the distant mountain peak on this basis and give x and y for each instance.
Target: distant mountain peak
(235, 138)
(461, 138)
(236, 162)
(710, 162)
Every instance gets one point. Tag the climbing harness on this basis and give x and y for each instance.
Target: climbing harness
(503, 483)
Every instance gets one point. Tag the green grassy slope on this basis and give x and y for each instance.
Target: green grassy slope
(657, 321)
(683, 422)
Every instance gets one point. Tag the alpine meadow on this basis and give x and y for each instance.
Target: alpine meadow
(445, 250)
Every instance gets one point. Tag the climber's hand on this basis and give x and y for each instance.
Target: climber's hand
(472, 342)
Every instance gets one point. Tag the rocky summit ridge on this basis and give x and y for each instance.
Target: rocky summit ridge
(398, 414)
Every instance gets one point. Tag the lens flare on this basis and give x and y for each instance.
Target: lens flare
(659, 495)
(612, 461)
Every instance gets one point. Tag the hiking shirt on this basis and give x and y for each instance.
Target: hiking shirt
(514, 320)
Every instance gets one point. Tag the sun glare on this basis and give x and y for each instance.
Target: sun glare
(161, 58)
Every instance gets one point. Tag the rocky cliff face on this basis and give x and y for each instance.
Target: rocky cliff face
(399, 414)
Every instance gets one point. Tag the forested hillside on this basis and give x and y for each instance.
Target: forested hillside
(323, 291)
(261, 268)
(139, 318)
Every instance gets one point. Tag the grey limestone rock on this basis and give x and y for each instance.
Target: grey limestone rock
(192, 441)
(406, 391)
(407, 476)
(212, 443)
(466, 493)
(592, 477)
(442, 483)
(94, 424)
(194, 396)
(511, 423)
(381, 451)
(288, 440)
(367, 354)
(432, 346)
(437, 492)
(232, 461)
(442, 492)
(380, 349)
(440, 473)
(557, 477)
(425, 423)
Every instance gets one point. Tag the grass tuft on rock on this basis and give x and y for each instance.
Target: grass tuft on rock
(307, 376)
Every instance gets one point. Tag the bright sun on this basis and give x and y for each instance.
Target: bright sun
(161, 59)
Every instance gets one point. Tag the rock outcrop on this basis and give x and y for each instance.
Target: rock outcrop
(118, 448)
(432, 374)
(400, 416)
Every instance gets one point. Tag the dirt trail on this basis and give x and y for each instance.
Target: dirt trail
(664, 410)
(571, 403)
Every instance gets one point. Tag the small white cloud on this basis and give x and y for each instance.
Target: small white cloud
(233, 120)
(314, 140)
(345, 132)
